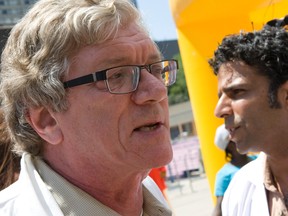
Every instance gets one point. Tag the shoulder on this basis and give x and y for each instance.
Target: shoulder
(253, 171)
(10, 193)
(8, 198)
(154, 189)
(246, 185)
(250, 174)
(151, 186)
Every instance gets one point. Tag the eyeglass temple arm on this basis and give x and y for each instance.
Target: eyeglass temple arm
(85, 79)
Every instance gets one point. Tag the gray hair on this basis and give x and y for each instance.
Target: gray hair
(36, 56)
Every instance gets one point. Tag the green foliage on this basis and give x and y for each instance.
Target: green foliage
(178, 93)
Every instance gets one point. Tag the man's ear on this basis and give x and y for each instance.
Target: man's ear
(45, 124)
(283, 95)
(284, 87)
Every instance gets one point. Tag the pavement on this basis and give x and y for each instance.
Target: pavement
(190, 196)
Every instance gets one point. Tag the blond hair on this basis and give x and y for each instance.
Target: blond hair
(36, 56)
(9, 161)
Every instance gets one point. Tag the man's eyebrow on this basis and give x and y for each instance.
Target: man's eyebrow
(232, 87)
(115, 61)
(219, 95)
(155, 57)
(121, 60)
(226, 89)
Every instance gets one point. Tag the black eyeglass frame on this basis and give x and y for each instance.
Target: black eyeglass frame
(101, 75)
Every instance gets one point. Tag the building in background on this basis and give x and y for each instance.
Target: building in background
(12, 10)
(181, 121)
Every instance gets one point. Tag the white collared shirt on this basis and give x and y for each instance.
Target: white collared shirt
(43, 192)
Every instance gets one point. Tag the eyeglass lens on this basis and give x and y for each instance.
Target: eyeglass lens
(125, 79)
(122, 79)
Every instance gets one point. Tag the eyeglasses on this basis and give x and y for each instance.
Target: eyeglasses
(125, 79)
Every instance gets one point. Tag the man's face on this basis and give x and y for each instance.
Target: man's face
(128, 131)
(244, 104)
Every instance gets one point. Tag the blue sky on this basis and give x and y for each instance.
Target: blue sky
(158, 18)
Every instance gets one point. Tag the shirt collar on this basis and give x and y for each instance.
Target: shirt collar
(73, 200)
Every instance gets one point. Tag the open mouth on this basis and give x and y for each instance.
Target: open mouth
(149, 127)
(232, 131)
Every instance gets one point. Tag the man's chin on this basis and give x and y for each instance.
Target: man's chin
(242, 150)
(163, 160)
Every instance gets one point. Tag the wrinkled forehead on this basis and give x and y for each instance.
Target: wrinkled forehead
(129, 47)
(236, 69)
(230, 70)
(232, 74)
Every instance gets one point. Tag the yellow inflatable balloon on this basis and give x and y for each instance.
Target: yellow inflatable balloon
(201, 25)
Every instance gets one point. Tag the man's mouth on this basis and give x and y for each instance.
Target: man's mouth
(231, 130)
(149, 127)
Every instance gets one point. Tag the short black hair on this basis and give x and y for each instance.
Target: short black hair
(265, 50)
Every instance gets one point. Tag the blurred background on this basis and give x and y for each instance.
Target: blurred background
(189, 31)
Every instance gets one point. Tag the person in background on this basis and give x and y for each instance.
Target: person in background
(9, 161)
(252, 73)
(235, 161)
(84, 92)
(159, 176)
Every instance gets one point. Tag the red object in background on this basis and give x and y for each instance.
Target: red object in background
(159, 176)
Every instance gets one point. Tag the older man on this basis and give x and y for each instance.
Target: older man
(85, 99)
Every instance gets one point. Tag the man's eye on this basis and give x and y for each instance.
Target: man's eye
(237, 92)
(120, 73)
(116, 75)
(157, 70)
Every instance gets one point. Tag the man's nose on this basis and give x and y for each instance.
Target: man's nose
(150, 89)
(223, 107)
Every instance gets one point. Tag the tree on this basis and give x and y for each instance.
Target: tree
(178, 93)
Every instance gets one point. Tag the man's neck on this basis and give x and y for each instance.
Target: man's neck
(121, 191)
(126, 200)
(279, 169)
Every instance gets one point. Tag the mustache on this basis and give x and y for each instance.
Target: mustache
(233, 121)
